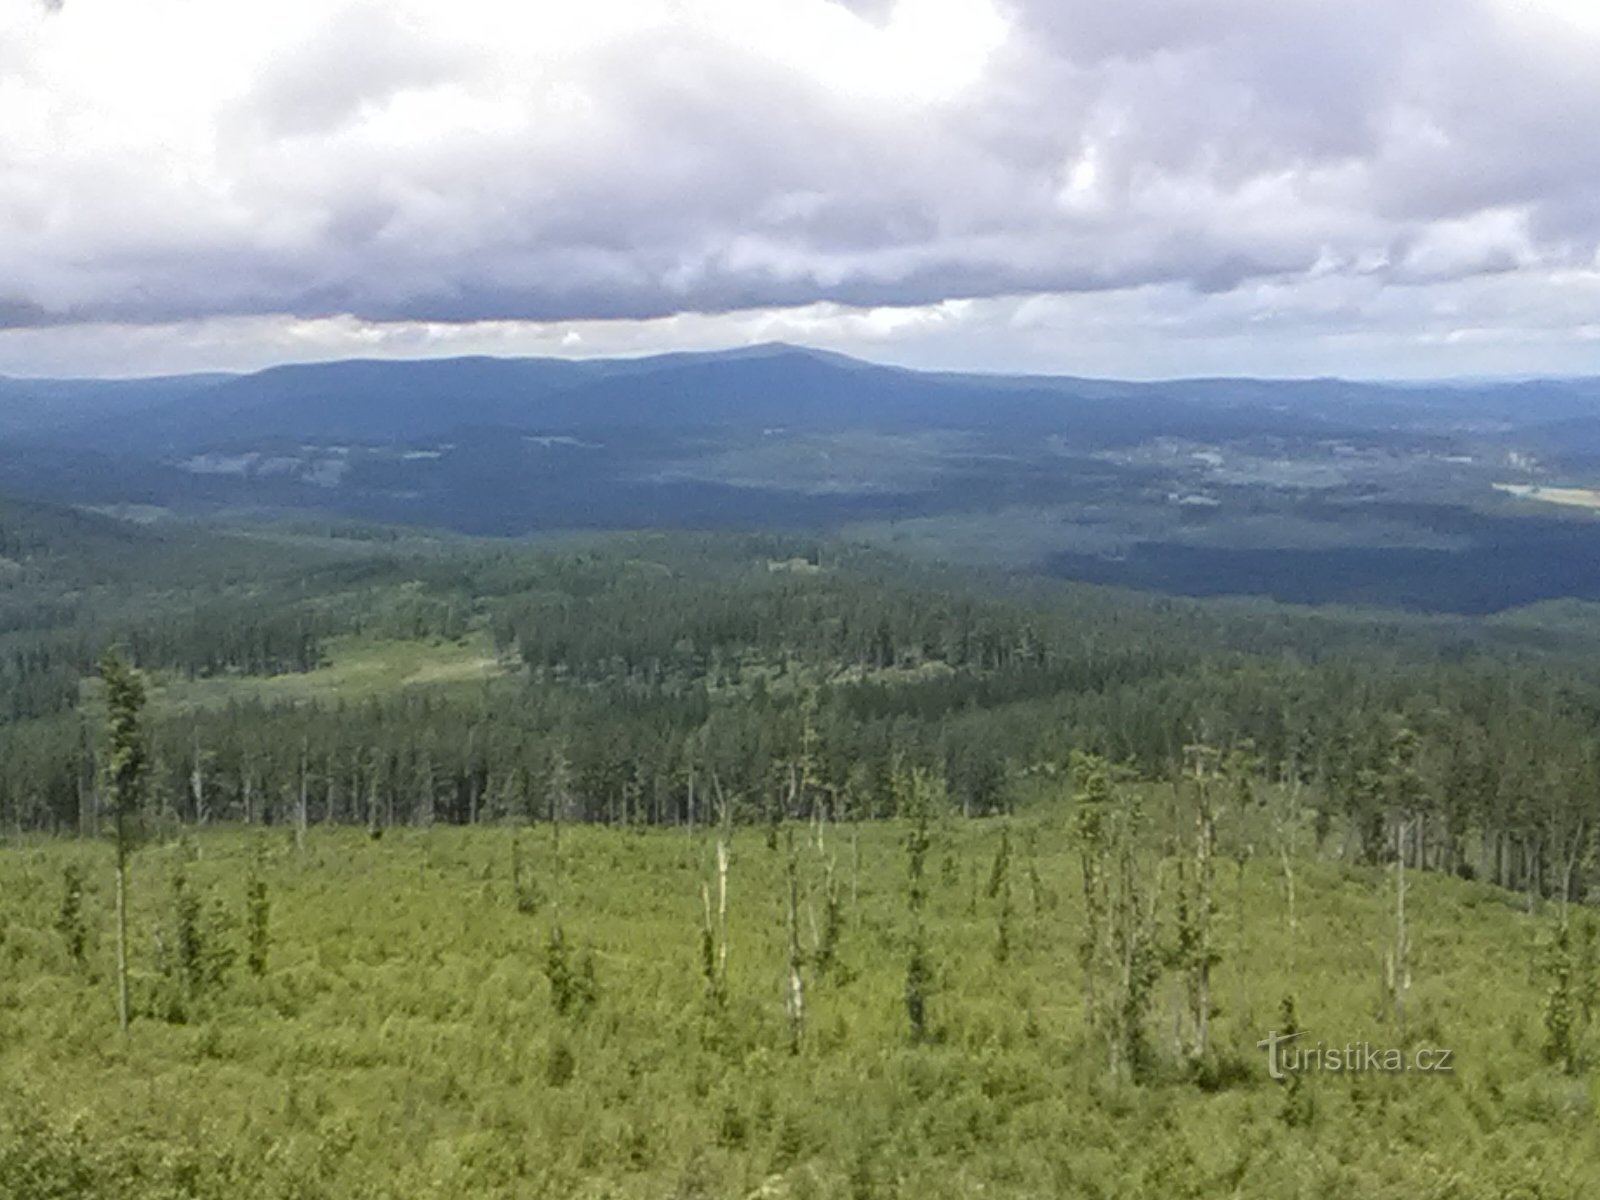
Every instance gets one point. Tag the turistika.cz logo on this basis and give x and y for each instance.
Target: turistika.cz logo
(1287, 1055)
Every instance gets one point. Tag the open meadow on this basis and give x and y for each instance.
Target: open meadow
(407, 1029)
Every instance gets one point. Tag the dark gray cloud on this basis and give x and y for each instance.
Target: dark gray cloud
(443, 162)
(25, 314)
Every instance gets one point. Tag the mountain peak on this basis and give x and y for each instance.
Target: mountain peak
(792, 350)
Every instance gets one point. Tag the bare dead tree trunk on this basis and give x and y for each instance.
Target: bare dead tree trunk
(725, 830)
(1194, 925)
(722, 915)
(1572, 852)
(691, 800)
(1530, 876)
(122, 926)
(795, 991)
(197, 784)
(1400, 972)
(1286, 851)
(1205, 838)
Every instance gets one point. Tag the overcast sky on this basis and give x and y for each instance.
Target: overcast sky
(1114, 187)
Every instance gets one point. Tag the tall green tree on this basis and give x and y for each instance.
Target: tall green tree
(123, 771)
(916, 797)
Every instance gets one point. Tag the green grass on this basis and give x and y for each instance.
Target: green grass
(403, 1042)
(354, 668)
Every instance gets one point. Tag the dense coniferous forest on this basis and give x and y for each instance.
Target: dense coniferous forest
(628, 665)
(766, 864)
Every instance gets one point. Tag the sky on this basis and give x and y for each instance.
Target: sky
(1141, 189)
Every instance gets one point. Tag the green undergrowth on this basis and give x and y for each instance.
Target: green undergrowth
(404, 1039)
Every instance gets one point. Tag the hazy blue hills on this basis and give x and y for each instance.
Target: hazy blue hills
(757, 388)
(1460, 497)
(761, 387)
(34, 406)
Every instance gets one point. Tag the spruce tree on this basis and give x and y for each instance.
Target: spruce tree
(123, 772)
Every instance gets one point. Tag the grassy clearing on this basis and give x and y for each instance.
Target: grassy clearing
(355, 668)
(403, 1042)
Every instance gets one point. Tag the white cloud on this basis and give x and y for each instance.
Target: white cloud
(420, 174)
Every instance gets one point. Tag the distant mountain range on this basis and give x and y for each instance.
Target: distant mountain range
(772, 385)
(756, 388)
(1309, 489)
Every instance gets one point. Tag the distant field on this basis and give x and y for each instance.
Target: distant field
(1573, 496)
(355, 668)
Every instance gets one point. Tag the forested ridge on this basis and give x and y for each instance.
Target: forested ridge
(628, 665)
(632, 865)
